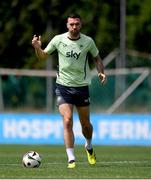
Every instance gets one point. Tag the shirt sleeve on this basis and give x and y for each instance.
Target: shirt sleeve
(93, 49)
(51, 46)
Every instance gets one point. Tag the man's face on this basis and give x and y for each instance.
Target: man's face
(74, 25)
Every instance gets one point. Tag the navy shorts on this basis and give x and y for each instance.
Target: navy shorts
(78, 96)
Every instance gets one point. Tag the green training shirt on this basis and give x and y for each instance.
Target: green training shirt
(73, 59)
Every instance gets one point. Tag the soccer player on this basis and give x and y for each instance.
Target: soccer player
(72, 81)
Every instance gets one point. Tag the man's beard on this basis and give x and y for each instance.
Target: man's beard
(75, 33)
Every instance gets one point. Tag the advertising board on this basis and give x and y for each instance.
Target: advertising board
(116, 129)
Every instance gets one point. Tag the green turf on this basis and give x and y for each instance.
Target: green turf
(112, 162)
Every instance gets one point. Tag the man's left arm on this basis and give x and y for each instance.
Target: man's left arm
(100, 69)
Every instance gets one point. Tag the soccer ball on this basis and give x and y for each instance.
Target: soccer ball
(31, 159)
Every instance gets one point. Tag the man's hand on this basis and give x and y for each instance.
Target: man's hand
(36, 42)
(102, 77)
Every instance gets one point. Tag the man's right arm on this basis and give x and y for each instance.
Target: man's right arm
(36, 43)
(41, 55)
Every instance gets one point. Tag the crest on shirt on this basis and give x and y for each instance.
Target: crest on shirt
(63, 44)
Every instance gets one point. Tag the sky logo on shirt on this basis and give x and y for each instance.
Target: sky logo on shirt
(72, 54)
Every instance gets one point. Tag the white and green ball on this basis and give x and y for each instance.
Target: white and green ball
(31, 159)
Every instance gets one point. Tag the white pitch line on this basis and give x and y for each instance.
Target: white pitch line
(78, 162)
(109, 162)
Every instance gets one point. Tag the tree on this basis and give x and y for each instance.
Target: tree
(21, 19)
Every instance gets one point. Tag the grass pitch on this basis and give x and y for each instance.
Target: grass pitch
(112, 162)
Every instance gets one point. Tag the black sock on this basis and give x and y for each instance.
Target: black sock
(90, 151)
(72, 161)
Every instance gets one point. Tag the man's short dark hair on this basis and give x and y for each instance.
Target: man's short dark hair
(74, 15)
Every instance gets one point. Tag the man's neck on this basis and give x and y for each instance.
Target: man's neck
(73, 37)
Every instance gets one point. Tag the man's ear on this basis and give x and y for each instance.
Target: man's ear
(80, 24)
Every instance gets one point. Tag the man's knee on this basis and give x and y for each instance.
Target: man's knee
(68, 123)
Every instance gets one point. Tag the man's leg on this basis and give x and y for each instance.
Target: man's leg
(66, 111)
(87, 130)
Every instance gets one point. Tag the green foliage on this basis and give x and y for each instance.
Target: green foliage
(138, 25)
(20, 20)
